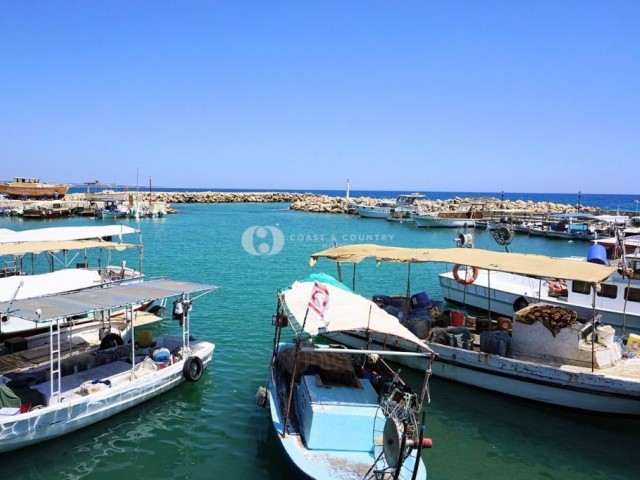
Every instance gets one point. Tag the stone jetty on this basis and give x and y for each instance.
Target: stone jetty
(310, 202)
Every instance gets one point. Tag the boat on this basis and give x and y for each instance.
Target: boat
(464, 216)
(25, 187)
(546, 353)
(406, 205)
(79, 384)
(336, 412)
(70, 255)
(113, 208)
(398, 210)
(381, 209)
(617, 301)
(44, 211)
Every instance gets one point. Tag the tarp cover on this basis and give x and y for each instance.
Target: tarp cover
(519, 263)
(346, 311)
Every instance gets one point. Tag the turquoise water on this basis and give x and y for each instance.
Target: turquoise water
(213, 429)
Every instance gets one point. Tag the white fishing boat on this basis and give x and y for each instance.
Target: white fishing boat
(617, 300)
(380, 209)
(405, 207)
(70, 253)
(81, 384)
(400, 210)
(464, 216)
(336, 412)
(549, 354)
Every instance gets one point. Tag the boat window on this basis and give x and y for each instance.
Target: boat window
(632, 294)
(608, 291)
(580, 287)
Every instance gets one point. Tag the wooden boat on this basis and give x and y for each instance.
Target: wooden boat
(547, 353)
(465, 216)
(336, 412)
(81, 384)
(25, 187)
(400, 210)
(44, 211)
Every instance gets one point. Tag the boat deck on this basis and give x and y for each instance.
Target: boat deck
(38, 356)
(629, 369)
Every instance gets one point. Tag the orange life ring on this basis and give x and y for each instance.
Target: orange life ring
(468, 279)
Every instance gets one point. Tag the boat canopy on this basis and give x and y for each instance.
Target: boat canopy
(52, 234)
(42, 309)
(345, 311)
(519, 263)
(60, 245)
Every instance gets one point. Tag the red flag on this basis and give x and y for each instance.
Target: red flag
(319, 301)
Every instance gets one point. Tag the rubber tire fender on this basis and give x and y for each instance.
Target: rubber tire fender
(520, 303)
(192, 369)
(111, 340)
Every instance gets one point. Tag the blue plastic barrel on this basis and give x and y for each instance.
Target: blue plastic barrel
(420, 300)
(597, 254)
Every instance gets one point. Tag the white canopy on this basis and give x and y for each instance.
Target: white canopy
(52, 234)
(345, 311)
(29, 286)
(58, 246)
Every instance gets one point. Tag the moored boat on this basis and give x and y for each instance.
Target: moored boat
(464, 216)
(93, 246)
(80, 385)
(547, 353)
(336, 412)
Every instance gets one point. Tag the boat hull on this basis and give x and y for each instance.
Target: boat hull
(320, 463)
(36, 192)
(373, 212)
(427, 221)
(566, 387)
(46, 423)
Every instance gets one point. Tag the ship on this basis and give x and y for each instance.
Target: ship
(26, 187)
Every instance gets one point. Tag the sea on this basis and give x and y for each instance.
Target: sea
(213, 429)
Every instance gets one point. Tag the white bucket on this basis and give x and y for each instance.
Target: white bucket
(605, 335)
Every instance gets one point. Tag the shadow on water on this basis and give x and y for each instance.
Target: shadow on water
(156, 439)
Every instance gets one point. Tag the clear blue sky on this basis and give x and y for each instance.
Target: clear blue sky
(520, 96)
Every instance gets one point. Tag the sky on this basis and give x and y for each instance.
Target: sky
(515, 96)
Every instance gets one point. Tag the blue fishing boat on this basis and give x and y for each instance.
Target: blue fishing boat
(338, 412)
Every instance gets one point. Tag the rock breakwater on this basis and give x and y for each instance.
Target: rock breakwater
(310, 202)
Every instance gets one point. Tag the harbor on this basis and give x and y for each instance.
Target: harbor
(488, 427)
(305, 240)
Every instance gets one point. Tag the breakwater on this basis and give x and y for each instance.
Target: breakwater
(310, 202)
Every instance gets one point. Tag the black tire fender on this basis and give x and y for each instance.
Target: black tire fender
(111, 340)
(192, 369)
(520, 303)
